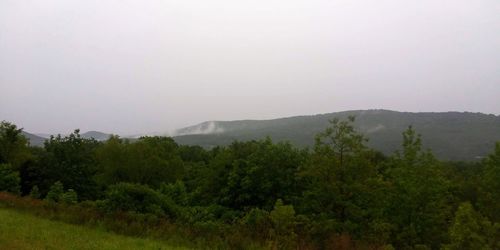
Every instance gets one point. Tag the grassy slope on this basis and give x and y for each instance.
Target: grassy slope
(24, 231)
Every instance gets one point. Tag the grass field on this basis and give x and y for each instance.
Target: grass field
(25, 231)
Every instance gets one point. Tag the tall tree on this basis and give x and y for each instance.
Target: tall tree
(342, 185)
(420, 198)
(470, 230)
(489, 197)
(9, 179)
(13, 145)
(150, 160)
(14, 156)
(71, 160)
(254, 174)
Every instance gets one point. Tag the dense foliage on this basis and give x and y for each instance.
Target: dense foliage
(340, 194)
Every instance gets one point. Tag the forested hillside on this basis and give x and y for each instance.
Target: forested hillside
(339, 194)
(450, 135)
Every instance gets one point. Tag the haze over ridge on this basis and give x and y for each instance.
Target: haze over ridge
(132, 67)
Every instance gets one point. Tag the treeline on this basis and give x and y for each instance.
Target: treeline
(338, 195)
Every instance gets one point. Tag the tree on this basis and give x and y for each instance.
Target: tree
(470, 230)
(112, 161)
(151, 161)
(254, 174)
(9, 179)
(69, 197)
(37, 172)
(138, 198)
(489, 195)
(342, 185)
(35, 192)
(420, 196)
(71, 160)
(176, 192)
(55, 193)
(283, 226)
(13, 145)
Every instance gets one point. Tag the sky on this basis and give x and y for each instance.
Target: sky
(129, 67)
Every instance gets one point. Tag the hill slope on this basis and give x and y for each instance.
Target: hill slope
(450, 135)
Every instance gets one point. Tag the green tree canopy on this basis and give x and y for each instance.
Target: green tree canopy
(489, 198)
(150, 160)
(13, 145)
(470, 230)
(254, 174)
(71, 160)
(419, 197)
(342, 188)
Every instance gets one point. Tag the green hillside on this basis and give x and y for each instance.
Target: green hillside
(450, 135)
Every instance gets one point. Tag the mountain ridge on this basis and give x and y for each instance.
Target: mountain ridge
(340, 112)
(450, 135)
(39, 139)
(442, 132)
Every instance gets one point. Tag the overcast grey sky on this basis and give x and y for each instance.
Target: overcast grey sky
(153, 65)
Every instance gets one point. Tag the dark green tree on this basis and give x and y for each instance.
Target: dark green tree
(71, 160)
(254, 174)
(35, 192)
(470, 230)
(69, 197)
(283, 226)
(138, 198)
(343, 190)
(150, 160)
(37, 172)
(9, 179)
(176, 192)
(420, 197)
(489, 196)
(13, 145)
(55, 193)
(113, 163)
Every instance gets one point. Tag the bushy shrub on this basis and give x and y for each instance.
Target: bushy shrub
(69, 197)
(470, 230)
(258, 222)
(35, 192)
(55, 192)
(9, 179)
(138, 198)
(283, 222)
(191, 215)
(194, 214)
(176, 192)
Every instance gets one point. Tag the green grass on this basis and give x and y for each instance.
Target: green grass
(20, 230)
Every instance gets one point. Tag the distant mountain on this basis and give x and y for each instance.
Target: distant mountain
(34, 140)
(43, 135)
(450, 135)
(100, 136)
(38, 140)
